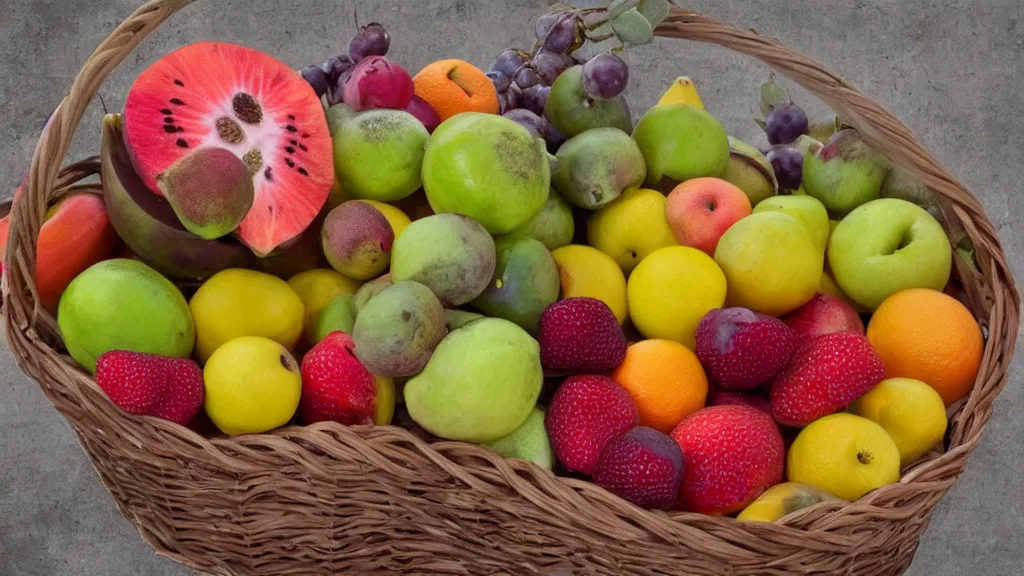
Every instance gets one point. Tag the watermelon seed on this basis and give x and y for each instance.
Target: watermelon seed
(229, 130)
(182, 143)
(247, 108)
(177, 102)
(253, 159)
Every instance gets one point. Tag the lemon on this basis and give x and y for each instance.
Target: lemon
(911, 411)
(671, 290)
(236, 302)
(844, 454)
(771, 262)
(253, 386)
(316, 288)
(394, 216)
(631, 227)
(587, 272)
(781, 500)
(385, 411)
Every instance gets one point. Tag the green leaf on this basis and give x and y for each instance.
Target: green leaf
(965, 250)
(772, 96)
(654, 10)
(619, 6)
(600, 30)
(632, 27)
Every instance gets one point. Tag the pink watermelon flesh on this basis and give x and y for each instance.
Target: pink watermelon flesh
(215, 94)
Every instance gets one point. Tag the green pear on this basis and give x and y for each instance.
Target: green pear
(903, 185)
(572, 111)
(449, 253)
(845, 173)
(488, 168)
(528, 442)
(481, 384)
(808, 210)
(455, 319)
(750, 171)
(553, 225)
(680, 142)
(525, 283)
(378, 154)
(338, 316)
(596, 166)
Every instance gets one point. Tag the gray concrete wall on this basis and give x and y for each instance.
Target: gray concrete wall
(952, 69)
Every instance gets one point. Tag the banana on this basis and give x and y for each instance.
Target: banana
(682, 91)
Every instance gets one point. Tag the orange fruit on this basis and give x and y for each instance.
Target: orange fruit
(665, 380)
(929, 336)
(454, 86)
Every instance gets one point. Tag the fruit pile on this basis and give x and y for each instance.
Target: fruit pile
(504, 258)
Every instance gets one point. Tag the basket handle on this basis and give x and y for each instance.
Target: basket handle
(22, 311)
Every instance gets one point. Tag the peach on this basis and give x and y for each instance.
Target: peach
(700, 210)
(75, 235)
(824, 314)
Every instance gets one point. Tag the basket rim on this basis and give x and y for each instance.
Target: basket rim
(993, 295)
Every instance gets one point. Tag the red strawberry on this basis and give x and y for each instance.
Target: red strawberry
(732, 453)
(824, 314)
(741, 349)
(587, 412)
(718, 397)
(151, 385)
(643, 466)
(579, 335)
(825, 374)
(335, 384)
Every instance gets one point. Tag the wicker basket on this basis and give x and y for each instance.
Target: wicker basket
(327, 499)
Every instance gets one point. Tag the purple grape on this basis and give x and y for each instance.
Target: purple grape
(335, 66)
(509, 61)
(526, 77)
(316, 78)
(785, 124)
(553, 137)
(513, 98)
(372, 40)
(788, 164)
(336, 91)
(534, 98)
(500, 81)
(527, 119)
(563, 34)
(605, 76)
(550, 64)
(503, 102)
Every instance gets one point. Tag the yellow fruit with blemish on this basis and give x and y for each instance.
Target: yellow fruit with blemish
(587, 272)
(781, 500)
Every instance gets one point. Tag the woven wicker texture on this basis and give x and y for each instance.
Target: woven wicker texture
(326, 499)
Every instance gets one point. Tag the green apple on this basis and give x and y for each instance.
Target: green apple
(750, 171)
(680, 142)
(528, 442)
(596, 166)
(845, 173)
(806, 209)
(338, 316)
(378, 154)
(488, 168)
(886, 246)
(572, 111)
(481, 384)
(771, 263)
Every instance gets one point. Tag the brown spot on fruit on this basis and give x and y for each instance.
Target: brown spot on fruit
(406, 315)
(287, 362)
(253, 160)
(247, 108)
(229, 130)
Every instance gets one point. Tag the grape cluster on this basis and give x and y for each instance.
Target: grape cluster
(329, 78)
(523, 79)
